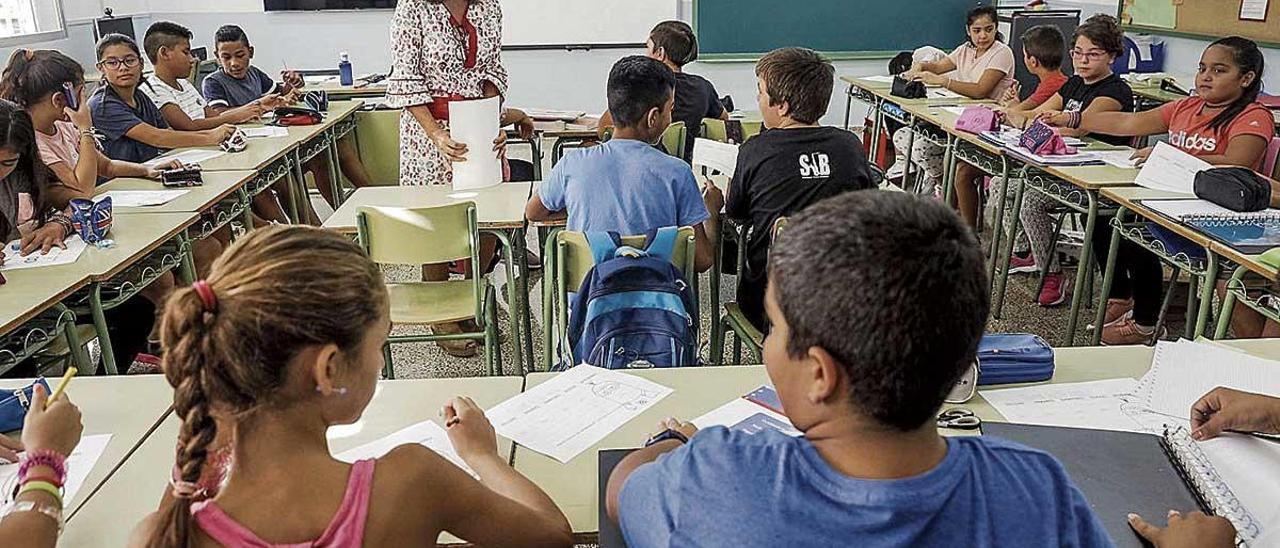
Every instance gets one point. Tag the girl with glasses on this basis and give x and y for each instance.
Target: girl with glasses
(134, 128)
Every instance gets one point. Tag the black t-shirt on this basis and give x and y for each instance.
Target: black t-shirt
(1077, 96)
(779, 173)
(695, 99)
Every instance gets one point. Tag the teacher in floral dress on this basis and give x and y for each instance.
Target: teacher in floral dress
(442, 51)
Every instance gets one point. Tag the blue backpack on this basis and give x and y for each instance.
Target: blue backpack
(633, 309)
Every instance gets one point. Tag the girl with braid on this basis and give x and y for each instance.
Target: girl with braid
(282, 341)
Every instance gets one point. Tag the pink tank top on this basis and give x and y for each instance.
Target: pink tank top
(346, 530)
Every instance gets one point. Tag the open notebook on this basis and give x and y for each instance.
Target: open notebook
(1250, 233)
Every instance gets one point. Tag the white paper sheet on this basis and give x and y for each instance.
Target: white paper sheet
(722, 157)
(954, 110)
(475, 124)
(745, 415)
(1171, 170)
(193, 156)
(1182, 372)
(1119, 158)
(1099, 405)
(427, 434)
(79, 464)
(1253, 10)
(573, 411)
(13, 260)
(265, 132)
(546, 114)
(877, 78)
(940, 93)
(140, 198)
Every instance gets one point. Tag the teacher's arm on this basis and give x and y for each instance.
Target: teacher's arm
(452, 150)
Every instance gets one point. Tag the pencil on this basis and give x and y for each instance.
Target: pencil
(62, 385)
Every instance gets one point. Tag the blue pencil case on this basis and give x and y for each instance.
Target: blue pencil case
(1008, 358)
(14, 405)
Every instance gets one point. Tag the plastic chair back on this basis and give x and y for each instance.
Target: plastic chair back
(673, 139)
(378, 139)
(429, 235)
(1270, 165)
(715, 129)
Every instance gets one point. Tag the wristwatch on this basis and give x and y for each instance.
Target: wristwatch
(668, 434)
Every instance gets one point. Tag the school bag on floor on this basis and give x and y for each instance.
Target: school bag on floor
(634, 307)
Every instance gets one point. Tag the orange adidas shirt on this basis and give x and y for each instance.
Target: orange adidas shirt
(1189, 127)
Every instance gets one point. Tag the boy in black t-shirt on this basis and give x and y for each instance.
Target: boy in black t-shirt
(793, 164)
(674, 43)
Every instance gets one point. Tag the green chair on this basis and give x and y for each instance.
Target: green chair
(674, 139)
(378, 143)
(715, 129)
(735, 321)
(432, 235)
(572, 261)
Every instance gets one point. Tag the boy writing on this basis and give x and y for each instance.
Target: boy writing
(793, 165)
(625, 185)
(864, 383)
(675, 45)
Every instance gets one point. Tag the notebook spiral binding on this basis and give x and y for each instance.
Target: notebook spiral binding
(1238, 219)
(1211, 492)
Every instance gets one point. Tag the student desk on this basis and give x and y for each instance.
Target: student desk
(1077, 188)
(339, 92)
(220, 199)
(1148, 95)
(32, 314)
(1203, 271)
(877, 94)
(500, 210)
(128, 408)
(146, 247)
(573, 486)
(567, 135)
(268, 159)
(322, 138)
(136, 488)
(1258, 295)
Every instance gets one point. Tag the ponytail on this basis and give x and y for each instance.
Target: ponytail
(1250, 59)
(32, 75)
(229, 341)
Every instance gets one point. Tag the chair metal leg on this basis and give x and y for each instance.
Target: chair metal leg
(1229, 302)
(1206, 295)
(713, 284)
(79, 355)
(1086, 250)
(100, 325)
(388, 369)
(1108, 277)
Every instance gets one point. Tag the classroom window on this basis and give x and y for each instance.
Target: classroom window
(26, 21)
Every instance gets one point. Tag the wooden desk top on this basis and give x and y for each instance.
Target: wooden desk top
(697, 390)
(1132, 199)
(136, 488)
(127, 407)
(863, 83)
(499, 206)
(31, 291)
(1094, 177)
(135, 236)
(217, 186)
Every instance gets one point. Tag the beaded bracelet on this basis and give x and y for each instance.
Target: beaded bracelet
(45, 486)
(43, 477)
(43, 457)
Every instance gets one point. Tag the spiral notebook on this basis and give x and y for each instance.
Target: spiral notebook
(1234, 477)
(1250, 233)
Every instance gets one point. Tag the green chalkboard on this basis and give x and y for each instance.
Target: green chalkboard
(735, 30)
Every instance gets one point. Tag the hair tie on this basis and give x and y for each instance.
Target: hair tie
(207, 297)
(186, 489)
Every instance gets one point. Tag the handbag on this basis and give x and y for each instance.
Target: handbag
(908, 89)
(92, 220)
(14, 405)
(1235, 188)
(978, 120)
(1043, 140)
(1007, 358)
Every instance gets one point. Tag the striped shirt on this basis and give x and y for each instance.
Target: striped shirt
(186, 96)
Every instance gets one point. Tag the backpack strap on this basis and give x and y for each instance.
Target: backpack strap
(603, 245)
(662, 244)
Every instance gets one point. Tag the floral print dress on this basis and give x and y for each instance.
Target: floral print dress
(435, 56)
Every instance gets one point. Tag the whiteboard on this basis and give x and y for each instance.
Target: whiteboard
(543, 22)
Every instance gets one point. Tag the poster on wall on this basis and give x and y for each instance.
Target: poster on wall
(1150, 13)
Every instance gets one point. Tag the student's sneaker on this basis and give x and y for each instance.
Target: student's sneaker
(144, 364)
(1056, 289)
(1022, 265)
(1129, 332)
(1117, 309)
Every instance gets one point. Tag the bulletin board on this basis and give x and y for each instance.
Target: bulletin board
(1206, 19)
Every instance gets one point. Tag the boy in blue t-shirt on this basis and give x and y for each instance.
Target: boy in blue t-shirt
(863, 380)
(626, 185)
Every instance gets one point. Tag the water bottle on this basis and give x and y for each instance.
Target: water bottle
(344, 70)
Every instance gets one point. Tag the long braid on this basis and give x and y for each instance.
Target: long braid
(1249, 59)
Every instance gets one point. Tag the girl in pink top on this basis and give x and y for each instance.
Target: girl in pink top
(981, 68)
(282, 341)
